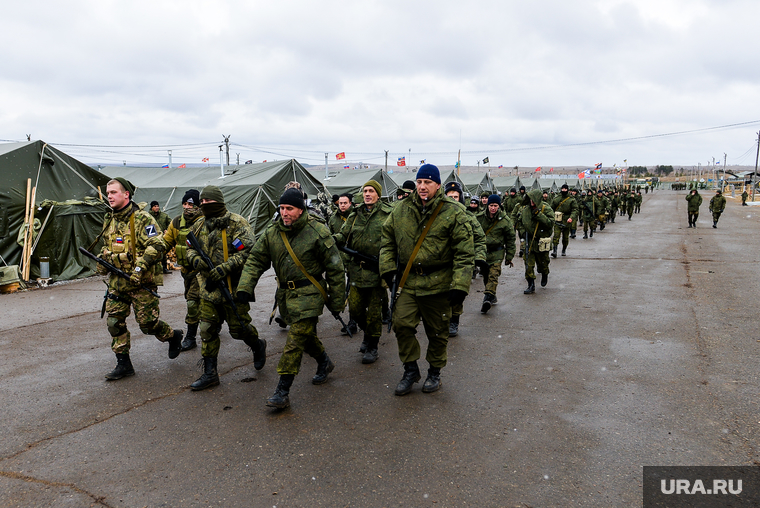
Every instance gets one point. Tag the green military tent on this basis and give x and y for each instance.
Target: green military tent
(251, 190)
(67, 211)
(504, 183)
(351, 181)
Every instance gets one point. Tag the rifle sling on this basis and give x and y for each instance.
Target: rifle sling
(417, 248)
(301, 267)
(226, 255)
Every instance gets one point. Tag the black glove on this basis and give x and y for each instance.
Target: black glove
(482, 264)
(244, 297)
(198, 264)
(388, 278)
(457, 296)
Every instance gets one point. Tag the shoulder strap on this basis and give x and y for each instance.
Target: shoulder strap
(133, 243)
(417, 248)
(226, 255)
(300, 265)
(492, 226)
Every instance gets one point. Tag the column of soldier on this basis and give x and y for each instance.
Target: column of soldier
(425, 248)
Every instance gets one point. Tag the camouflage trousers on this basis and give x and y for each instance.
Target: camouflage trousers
(192, 297)
(302, 338)
(365, 307)
(716, 216)
(563, 232)
(435, 313)
(146, 314)
(536, 260)
(693, 216)
(589, 223)
(630, 211)
(213, 315)
(494, 271)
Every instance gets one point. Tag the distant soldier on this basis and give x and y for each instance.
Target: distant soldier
(323, 205)
(362, 232)
(565, 214)
(601, 209)
(695, 201)
(226, 238)
(614, 204)
(334, 205)
(745, 195)
(484, 200)
(454, 191)
(577, 198)
(133, 243)
(405, 190)
(500, 246)
(345, 207)
(589, 205)
(307, 264)
(537, 219)
(442, 263)
(163, 221)
(175, 237)
(639, 200)
(717, 205)
(630, 203)
(510, 202)
(474, 206)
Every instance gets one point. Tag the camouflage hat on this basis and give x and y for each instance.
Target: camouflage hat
(213, 193)
(127, 185)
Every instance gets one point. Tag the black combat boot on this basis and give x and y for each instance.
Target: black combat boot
(324, 367)
(554, 252)
(175, 344)
(280, 399)
(564, 248)
(259, 348)
(531, 287)
(123, 368)
(281, 322)
(371, 355)
(572, 233)
(487, 302)
(601, 226)
(715, 224)
(210, 376)
(433, 381)
(386, 314)
(591, 234)
(363, 346)
(585, 235)
(454, 326)
(189, 342)
(544, 279)
(411, 376)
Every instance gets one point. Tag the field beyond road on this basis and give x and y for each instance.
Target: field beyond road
(642, 350)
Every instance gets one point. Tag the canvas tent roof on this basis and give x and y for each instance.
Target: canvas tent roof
(475, 183)
(251, 190)
(504, 183)
(59, 178)
(351, 181)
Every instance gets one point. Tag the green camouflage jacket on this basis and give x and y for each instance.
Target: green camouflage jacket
(447, 255)
(695, 202)
(590, 207)
(147, 251)
(175, 237)
(567, 205)
(717, 203)
(338, 219)
(500, 236)
(316, 250)
(240, 240)
(511, 202)
(162, 219)
(363, 232)
(539, 223)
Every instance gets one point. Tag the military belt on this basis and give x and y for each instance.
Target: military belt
(494, 248)
(295, 284)
(427, 270)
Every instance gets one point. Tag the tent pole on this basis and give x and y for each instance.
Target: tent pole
(170, 197)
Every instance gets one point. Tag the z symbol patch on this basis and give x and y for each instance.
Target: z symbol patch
(150, 229)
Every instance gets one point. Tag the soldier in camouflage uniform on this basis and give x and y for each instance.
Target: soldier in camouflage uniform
(537, 219)
(163, 220)
(577, 198)
(440, 277)
(695, 201)
(639, 200)
(589, 205)
(133, 243)
(175, 237)
(301, 302)
(601, 210)
(345, 207)
(614, 204)
(362, 232)
(484, 200)
(630, 203)
(227, 239)
(499, 231)
(717, 205)
(511, 202)
(453, 190)
(565, 214)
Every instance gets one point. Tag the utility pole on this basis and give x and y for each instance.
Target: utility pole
(221, 161)
(725, 158)
(227, 145)
(238, 159)
(752, 180)
(170, 158)
(408, 165)
(386, 161)
(327, 173)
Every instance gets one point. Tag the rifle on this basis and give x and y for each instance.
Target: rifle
(221, 284)
(392, 303)
(111, 268)
(372, 263)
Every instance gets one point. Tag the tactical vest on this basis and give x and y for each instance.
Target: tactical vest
(122, 244)
(181, 247)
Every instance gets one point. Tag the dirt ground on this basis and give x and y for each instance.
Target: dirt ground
(642, 350)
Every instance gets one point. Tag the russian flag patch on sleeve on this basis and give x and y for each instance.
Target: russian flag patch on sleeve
(238, 244)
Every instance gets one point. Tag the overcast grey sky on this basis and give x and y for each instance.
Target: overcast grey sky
(297, 79)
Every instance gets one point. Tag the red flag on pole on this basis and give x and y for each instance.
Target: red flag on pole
(181, 166)
(341, 155)
(538, 168)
